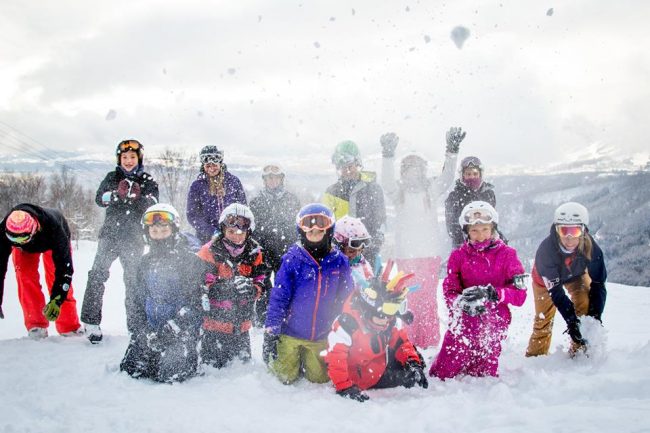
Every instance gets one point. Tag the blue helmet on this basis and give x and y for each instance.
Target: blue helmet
(323, 217)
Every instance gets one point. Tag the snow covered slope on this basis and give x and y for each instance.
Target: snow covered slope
(67, 385)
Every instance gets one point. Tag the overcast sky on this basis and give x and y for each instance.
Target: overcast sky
(287, 80)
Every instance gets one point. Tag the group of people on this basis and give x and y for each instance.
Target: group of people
(311, 277)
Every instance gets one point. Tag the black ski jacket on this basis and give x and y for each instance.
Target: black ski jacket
(53, 235)
(123, 216)
(458, 198)
(275, 223)
(554, 268)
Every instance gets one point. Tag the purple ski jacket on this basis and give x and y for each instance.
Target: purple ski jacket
(203, 209)
(307, 295)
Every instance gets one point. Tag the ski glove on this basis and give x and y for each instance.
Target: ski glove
(353, 393)
(107, 197)
(573, 329)
(2, 314)
(417, 376)
(454, 137)
(388, 144)
(53, 308)
(123, 189)
(243, 287)
(270, 347)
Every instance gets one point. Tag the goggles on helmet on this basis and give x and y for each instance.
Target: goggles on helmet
(388, 307)
(211, 158)
(237, 221)
(127, 145)
(159, 217)
(570, 231)
(271, 170)
(471, 162)
(315, 222)
(19, 238)
(357, 244)
(477, 216)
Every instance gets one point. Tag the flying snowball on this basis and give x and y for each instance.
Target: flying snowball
(459, 35)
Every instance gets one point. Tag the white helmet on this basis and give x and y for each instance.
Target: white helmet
(478, 212)
(161, 212)
(350, 231)
(571, 213)
(238, 213)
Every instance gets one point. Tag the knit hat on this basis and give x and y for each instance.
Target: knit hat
(20, 222)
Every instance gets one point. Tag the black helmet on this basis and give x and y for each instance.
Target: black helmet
(130, 144)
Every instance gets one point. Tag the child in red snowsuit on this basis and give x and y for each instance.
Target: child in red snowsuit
(28, 232)
(367, 347)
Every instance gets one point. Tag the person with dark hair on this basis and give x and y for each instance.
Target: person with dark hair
(357, 193)
(275, 211)
(309, 290)
(28, 232)
(166, 316)
(418, 247)
(213, 190)
(236, 276)
(126, 193)
(569, 258)
(469, 187)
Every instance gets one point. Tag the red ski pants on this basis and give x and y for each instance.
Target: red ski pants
(31, 296)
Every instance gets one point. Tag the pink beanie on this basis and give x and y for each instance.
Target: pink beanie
(20, 221)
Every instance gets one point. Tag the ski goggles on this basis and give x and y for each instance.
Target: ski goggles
(315, 222)
(158, 217)
(471, 162)
(19, 238)
(570, 231)
(237, 221)
(477, 216)
(127, 145)
(388, 307)
(272, 170)
(357, 244)
(214, 158)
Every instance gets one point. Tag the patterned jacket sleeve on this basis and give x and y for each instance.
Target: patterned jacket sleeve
(339, 342)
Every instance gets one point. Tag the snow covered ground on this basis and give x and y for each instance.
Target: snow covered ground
(67, 385)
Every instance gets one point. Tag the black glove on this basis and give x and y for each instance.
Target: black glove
(2, 314)
(417, 376)
(491, 293)
(270, 347)
(454, 137)
(155, 342)
(472, 301)
(353, 393)
(243, 287)
(388, 144)
(573, 329)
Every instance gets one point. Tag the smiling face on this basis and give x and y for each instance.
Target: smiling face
(129, 160)
(235, 235)
(569, 243)
(212, 169)
(315, 235)
(479, 232)
(471, 173)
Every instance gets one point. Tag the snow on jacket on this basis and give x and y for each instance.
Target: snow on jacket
(458, 198)
(357, 354)
(232, 312)
(204, 209)
(308, 295)
(123, 215)
(54, 235)
(554, 268)
(363, 199)
(497, 265)
(275, 223)
(169, 281)
(416, 223)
